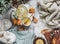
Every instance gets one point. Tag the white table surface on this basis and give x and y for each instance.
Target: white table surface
(40, 25)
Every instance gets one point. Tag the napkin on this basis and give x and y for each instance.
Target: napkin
(23, 37)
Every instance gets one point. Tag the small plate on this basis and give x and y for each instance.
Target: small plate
(8, 37)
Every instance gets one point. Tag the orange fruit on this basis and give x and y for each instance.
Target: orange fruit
(54, 41)
(18, 22)
(14, 21)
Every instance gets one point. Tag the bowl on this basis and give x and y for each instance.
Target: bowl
(19, 13)
(39, 40)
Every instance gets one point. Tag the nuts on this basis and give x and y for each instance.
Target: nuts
(32, 10)
(35, 20)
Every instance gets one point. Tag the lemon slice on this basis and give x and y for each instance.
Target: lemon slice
(26, 21)
(39, 41)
